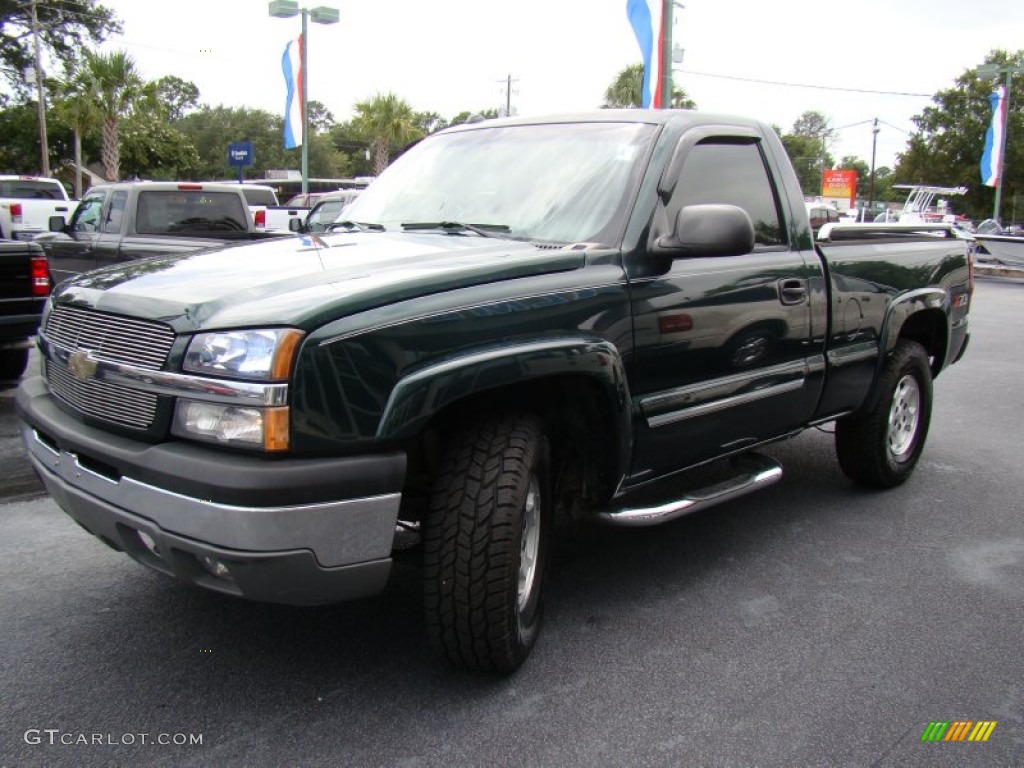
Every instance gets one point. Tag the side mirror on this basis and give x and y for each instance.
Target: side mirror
(56, 224)
(296, 225)
(708, 230)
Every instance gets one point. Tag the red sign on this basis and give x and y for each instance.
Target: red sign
(840, 187)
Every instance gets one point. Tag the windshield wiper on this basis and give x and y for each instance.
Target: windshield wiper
(456, 227)
(362, 226)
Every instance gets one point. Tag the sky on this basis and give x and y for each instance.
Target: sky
(852, 62)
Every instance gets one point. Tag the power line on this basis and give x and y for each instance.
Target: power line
(805, 85)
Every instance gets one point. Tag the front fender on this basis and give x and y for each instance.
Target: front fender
(425, 392)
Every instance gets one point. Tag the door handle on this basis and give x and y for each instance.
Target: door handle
(792, 290)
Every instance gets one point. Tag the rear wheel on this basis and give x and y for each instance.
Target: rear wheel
(485, 543)
(880, 446)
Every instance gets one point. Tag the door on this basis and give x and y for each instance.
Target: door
(72, 251)
(107, 245)
(724, 352)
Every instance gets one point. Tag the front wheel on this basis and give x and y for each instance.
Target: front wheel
(880, 446)
(485, 543)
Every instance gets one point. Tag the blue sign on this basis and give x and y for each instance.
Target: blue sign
(241, 154)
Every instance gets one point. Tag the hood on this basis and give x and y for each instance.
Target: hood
(305, 281)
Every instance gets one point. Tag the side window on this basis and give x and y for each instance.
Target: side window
(115, 212)
(87, 216)
(817, 219)
(734, 174)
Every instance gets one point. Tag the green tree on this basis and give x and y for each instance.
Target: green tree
(626, 90)
(807, 147)
(854, 163)
(211, 129)
(947, 148)
(321, 120)
(884, 179)
(176, 97)
(65, 28)
(155, 149)
(114, 83)
(474, 117)
(387, 123)
(430, 122)
(76, 108)
(19, 149)
(347, 139)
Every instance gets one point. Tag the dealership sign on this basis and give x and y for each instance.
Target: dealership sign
(840, 188)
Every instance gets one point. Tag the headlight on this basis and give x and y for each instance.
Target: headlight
(261, 428)
(259, 354)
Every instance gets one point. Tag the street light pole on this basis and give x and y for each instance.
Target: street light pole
(303, 90)
(994, 71)
(321, 14)
(666, 54)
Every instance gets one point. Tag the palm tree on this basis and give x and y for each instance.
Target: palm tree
(627, 88)
(386, 120)
(113, 83)
(77, 108)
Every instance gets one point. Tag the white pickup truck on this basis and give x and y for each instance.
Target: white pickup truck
(267, 213)
(28, 202)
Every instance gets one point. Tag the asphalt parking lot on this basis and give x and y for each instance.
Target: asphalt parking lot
(815, 623)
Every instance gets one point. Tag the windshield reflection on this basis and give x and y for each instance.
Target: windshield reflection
(563, 182)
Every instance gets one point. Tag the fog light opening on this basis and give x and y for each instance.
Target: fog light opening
(216, 568)
(149, 543)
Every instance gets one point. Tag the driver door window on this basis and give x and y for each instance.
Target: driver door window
(735, 174)
(87, 217)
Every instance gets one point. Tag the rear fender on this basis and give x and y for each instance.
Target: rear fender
(905, 312)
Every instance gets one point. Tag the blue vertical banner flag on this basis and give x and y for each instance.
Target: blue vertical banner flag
(992, 157)
(291, 63)
(648, 24)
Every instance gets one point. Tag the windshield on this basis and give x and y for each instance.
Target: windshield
(562, 182)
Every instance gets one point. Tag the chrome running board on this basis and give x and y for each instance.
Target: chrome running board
(755, 472)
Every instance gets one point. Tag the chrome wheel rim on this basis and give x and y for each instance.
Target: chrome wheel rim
(529, 548)
(751, 350)
(904, 416)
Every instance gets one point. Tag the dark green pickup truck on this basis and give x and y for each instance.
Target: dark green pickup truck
(602, 316)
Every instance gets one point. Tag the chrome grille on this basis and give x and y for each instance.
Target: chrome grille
(111, 337)
(102, 399)
(127, 340)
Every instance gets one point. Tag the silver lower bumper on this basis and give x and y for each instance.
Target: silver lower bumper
(302, 554)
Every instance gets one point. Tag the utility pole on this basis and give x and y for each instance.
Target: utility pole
(41, 96)
(508, 93)
(874, 145)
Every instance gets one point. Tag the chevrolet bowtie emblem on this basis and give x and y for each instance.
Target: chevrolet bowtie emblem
(82, 366)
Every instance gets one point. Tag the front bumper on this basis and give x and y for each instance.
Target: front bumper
(291, 531)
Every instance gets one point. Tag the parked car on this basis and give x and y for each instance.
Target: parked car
(327, 210)
(120, 222)
(821, 214)
(28, 202)
(24, 287)
(267, 213)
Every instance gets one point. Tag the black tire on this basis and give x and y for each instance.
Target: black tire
(13, 363)
(485, 543)
(879, 446)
